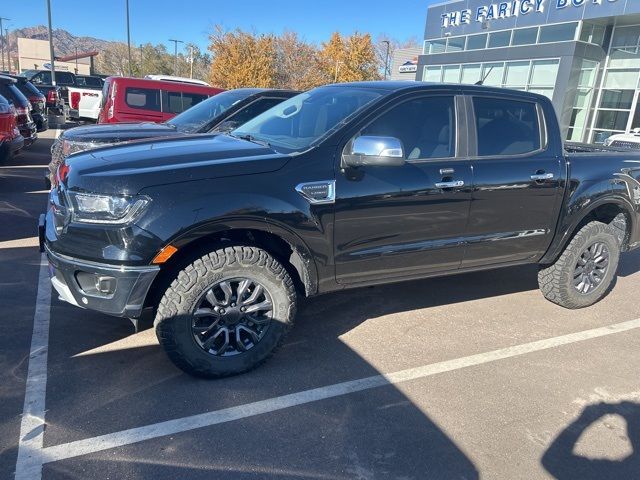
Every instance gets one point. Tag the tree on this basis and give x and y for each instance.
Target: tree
(242, 59)
(297, 63)
(349, 59)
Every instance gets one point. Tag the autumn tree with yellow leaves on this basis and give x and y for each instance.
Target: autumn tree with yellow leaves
(243, 59)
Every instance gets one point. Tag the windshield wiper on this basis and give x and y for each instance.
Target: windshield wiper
(252, 139)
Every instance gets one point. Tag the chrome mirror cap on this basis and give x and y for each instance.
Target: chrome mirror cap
(373, 150)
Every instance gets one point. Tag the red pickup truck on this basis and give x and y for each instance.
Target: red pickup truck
(140, 100)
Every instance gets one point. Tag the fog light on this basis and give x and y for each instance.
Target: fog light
(95, 284)
(106, 285)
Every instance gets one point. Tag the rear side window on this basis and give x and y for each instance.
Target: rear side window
(64, 78)
(143, 98)
(178, 102)
(506, 127)
(191, 99)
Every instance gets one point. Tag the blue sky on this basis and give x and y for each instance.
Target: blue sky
(157, 21)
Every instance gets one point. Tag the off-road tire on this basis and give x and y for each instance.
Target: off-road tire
(174, 315)
(556, 280)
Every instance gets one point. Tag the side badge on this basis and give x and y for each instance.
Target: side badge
(318, 192)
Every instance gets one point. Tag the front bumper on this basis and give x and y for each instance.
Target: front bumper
(110, 289)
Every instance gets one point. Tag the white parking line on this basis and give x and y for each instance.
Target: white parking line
(32, 426)
(135, 435)
(20, 243)
(29, 464)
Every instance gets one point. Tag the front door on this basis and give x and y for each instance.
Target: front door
(517, 182)
(395, 222)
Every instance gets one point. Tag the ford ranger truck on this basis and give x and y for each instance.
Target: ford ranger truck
(340, 187)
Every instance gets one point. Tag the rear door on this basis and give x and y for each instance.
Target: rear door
(138, 104)
(517, 181)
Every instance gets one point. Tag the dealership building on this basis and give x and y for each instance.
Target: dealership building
(583, 54)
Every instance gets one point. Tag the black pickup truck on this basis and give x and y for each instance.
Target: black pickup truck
(343, 186)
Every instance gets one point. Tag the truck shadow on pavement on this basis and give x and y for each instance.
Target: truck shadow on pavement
(96, 389)
(561, 461)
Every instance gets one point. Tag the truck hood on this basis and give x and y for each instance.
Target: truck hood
(119, 132)
(129, 168)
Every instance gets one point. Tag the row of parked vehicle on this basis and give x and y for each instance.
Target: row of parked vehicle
(26, 101)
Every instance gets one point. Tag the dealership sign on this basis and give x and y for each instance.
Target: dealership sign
(410, 66)
(512, 8)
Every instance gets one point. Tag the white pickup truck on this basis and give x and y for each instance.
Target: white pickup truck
(625, 140)
(85, 98)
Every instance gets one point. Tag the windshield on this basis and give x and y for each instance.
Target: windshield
(302, 121)
(198, 116)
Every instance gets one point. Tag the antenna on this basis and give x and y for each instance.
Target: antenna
(481, 82)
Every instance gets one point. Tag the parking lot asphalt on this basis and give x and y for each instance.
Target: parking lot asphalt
(481, 378)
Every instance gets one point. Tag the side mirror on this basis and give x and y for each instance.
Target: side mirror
(374, 151)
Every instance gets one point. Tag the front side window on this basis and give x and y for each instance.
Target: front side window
(42, 78)
(143, 98)
(506, 127)
(425, 126)
(304, 120)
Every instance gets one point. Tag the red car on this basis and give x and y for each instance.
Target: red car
(10, 139)
(140, 100)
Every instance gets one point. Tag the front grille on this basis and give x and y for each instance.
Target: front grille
(625, 144)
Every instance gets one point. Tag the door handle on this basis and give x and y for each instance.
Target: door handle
(538, 177)
(456, 184)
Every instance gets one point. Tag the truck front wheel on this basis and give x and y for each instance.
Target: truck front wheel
(586, 270)
(227, 312)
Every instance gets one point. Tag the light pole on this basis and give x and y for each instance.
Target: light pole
(175, 55)
(6, 36)
(52, 60)
(2, 40)
(191, 60)
(128, 38)
(386, 59)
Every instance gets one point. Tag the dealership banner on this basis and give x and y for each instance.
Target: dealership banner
(512, 8)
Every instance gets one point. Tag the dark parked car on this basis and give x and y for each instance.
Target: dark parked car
(26, 125)
(38, 102)
(57, 95)
(224, 111)
(10, 139)
(340, 187)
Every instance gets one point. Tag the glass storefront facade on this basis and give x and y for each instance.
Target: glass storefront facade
(584, 56)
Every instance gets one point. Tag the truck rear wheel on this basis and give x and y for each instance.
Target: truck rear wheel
(586, 270)
(227, 312)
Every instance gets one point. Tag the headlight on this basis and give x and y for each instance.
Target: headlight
(70, 147)
(106, 209)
